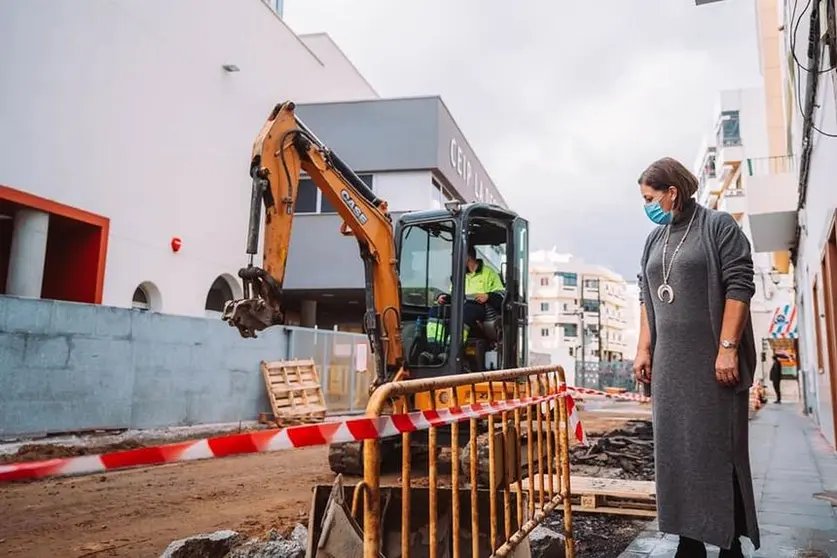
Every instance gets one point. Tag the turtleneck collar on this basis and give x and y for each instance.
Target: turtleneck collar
(686, 213)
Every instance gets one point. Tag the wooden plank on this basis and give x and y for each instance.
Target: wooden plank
(600, 495)
(618, 488)
(611, 511)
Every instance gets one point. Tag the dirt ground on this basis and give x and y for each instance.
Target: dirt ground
(136, 513)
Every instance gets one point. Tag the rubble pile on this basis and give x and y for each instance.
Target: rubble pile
(624, 453)
(230, 544)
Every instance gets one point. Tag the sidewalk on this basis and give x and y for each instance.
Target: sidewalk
(791, 461)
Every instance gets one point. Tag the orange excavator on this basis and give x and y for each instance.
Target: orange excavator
(407, 266)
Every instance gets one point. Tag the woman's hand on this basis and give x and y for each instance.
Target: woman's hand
(642, 366)
(726, 367)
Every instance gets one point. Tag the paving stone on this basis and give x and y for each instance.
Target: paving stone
(790, 463)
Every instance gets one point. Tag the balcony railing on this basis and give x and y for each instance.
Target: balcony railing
(765, 166)
(735, 193)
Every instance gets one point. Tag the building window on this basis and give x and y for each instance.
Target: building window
(544, 281)
(146, 297)
(306, 196)
(590, 305)
(223, 289)
(544, 332)
(140, 300)
(544, 307)
(310, 200)
(709, 169)
(567, 279)
(729, 132)
(570, 330)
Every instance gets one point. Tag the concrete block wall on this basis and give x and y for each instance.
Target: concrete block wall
(68, 367)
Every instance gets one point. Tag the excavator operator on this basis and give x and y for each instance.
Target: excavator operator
(483, 289)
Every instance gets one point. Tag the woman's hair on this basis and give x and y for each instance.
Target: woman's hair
(666, 172)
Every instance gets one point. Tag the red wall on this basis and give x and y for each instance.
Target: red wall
(6, 230)
(77, 243)
(72, 258)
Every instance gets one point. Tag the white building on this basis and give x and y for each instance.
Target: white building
(793, 200)
(571, 302)
(813, 199)
(148, 117)
(745, 167)
(127, 137)
(734, 167)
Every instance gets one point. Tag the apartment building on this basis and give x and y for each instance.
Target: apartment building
(579, 311)
(767, 165)
(739, 173)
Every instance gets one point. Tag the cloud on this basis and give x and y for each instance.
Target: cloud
(564, 103)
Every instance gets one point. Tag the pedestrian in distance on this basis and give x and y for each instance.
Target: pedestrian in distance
(697, 351)
(776, 377)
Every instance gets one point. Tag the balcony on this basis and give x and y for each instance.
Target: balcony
(542, 318)
(708, 187)
(614, 322)
(733, 200)
(772, 193)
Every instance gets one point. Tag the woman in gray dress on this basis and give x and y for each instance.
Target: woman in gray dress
(697, 351)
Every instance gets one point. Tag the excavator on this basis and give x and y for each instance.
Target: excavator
(407, 264)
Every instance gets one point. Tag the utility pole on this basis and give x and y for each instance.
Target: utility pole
(599, 296)
(580, 312)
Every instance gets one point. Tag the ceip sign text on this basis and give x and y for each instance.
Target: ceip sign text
(468, 172)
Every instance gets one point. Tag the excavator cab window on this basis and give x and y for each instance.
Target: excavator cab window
(484, 344)
(425, 269)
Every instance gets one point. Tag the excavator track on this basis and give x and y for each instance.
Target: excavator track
(347, 458)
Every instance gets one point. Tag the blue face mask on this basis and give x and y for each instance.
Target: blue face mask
(657, 214)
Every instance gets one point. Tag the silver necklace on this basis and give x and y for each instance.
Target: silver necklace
(665, 292)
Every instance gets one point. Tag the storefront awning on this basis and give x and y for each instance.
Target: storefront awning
(783, 324)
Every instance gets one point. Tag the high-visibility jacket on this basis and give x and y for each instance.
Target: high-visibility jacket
(483, 280)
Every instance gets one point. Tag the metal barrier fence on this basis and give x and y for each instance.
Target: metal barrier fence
(522, 488)
(601, 375)
(344, 362)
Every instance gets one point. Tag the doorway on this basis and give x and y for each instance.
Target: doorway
(829, 286)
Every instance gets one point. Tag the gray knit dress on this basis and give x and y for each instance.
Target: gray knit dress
(700, 427)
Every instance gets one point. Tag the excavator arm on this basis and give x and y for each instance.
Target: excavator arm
(283, 149)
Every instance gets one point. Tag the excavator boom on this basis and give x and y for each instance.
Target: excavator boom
(285, 148)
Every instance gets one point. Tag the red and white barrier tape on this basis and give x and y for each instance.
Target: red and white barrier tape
(325, 433)
(620, 396)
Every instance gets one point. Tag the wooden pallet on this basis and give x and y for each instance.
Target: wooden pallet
(294, 390)
(612, 496)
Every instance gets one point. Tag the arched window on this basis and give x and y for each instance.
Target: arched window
(223, 289)
(147, 297)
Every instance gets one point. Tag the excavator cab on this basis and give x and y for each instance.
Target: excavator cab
(432, 248)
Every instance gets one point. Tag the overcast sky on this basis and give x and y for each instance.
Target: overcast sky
(565, 103)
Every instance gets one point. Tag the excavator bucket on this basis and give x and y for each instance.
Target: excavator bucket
(335, 533)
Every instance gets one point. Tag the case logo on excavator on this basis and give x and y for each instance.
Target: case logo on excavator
(352, 204)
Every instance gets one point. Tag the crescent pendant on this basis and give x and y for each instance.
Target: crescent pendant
(665, 293)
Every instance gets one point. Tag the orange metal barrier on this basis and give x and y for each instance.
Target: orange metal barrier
(522, 455)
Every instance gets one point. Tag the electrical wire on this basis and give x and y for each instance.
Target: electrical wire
(794, 34)
(795, 22)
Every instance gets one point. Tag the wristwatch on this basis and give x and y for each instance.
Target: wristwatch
(728, 344)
